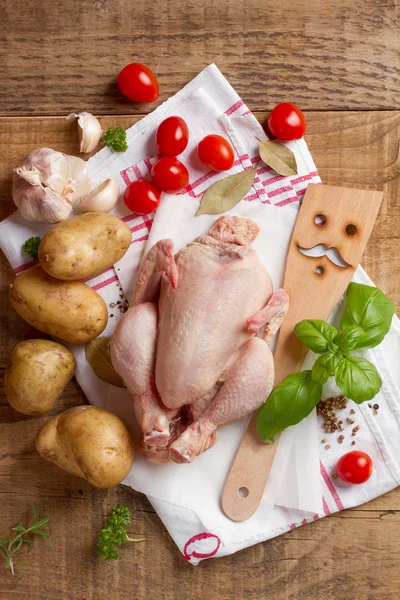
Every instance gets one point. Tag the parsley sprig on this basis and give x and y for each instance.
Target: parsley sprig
(116, 138)
(9, 547)
(31, 247)
(114, 533)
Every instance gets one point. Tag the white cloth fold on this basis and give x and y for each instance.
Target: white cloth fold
(187, 497)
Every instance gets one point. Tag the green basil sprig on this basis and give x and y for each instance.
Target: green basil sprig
(370, 309)
(365, 322)
(288, 404)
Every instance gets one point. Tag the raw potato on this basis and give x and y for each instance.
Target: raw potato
(88, 442)
(69, 310)
(84, 246)
(37, 373)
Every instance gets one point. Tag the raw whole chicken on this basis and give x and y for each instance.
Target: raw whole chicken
(193, 348)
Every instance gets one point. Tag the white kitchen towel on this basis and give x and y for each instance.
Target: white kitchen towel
(186, 497)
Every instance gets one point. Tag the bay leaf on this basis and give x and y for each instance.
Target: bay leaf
(278, 156)
(226, 193)
(98, 356)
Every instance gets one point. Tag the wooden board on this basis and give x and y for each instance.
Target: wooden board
(348, 556)
(320, 55)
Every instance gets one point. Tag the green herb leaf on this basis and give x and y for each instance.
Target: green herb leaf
(278, 156)
(31, 247)
(98, 356)
(9, 547)
(226, 193)
(114, 533)
(317, 335)
(349, 338)
(370, 309)
(116, 138)
(358, 378)
(289, 403)
(324, 367)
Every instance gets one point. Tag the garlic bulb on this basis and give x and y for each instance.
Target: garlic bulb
(44, 166)
(47, 183)
(78, 181)
(39, 203)
(39, 183)
(101, 199)
(89, 130)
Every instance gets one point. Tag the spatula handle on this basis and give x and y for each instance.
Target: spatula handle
(252, 465)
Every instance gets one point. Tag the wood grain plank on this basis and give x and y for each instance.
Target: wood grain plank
(317, 55)
(351, 555)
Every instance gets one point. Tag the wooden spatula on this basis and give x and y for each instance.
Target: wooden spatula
(336, 221)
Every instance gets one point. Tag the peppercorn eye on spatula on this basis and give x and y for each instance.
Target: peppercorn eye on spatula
(329, 238)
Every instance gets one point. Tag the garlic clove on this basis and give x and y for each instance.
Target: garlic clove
(89, 130)
(101, 199)
(38, 203)
(78, 181)
(44, 166)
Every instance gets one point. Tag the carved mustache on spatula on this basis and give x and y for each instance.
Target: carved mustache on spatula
(322, 250)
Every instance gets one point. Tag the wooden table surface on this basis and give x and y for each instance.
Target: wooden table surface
(340, 62)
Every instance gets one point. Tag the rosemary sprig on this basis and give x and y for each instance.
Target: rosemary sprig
(9, 547)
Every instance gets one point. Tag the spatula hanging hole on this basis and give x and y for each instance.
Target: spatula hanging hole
(320, 220)
(320, 270)
(351, 229)
(243, 492)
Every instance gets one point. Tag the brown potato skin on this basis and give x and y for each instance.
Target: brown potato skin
(69, 310)
(37, 373)
(84, 246)
(88, 442)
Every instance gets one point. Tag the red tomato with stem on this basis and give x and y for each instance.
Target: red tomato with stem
(354, 467)
(142, 197)
(138, 83)
(216, 153)
(169, 174)
(286, 122)
(172, 136)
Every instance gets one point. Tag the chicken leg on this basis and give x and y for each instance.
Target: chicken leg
(247, 384)
(132, 349)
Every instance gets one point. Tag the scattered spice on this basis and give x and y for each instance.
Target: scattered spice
(325, 408)
(112, 304)
(327, 447)
(340, 439)
(376, 406)
(355, 429)
(350, 421)
(352, 412)
(323, 441)
(111, 315)
(369, 405)
(353, 443)
(334, 476)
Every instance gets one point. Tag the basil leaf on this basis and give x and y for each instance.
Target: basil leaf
(358, 378)
(289, 403)
(369, 308)
(317, 335)
(349, 338)
(324, 367)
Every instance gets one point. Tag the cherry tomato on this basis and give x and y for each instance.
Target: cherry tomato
(287, 122)
(354, 467)
(142, 197)
(216, 153)
(169, 174)
(138, 83)
(172, 136)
